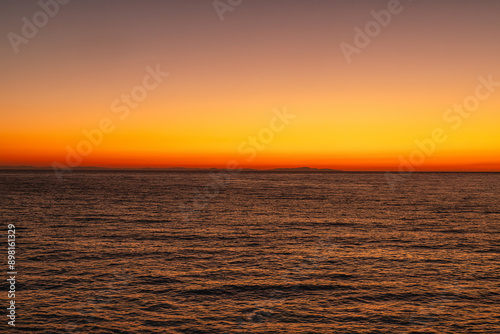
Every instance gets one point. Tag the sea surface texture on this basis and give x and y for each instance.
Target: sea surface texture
(157, 252)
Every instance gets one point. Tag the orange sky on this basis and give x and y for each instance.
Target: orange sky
(227, 79)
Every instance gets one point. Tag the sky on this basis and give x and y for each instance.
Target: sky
(282, 83)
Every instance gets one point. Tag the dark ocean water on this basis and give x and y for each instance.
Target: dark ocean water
(114, 252)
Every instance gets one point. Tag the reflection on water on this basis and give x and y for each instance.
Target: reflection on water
(271, 253)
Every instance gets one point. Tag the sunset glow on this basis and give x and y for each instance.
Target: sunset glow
(227, 79)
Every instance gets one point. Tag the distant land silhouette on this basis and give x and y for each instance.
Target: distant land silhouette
(178, 169)
(213, 169)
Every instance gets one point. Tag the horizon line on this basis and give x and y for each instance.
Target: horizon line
(303, 169)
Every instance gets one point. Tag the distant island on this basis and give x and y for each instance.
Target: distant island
(176, 169)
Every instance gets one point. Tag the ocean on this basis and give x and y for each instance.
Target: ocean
(172, 252)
